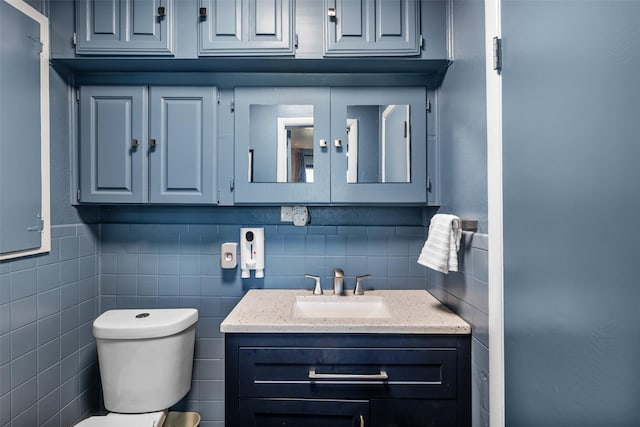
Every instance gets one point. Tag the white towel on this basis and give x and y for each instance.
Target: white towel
(440, 251)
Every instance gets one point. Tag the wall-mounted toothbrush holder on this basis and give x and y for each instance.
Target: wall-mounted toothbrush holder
(252, 252)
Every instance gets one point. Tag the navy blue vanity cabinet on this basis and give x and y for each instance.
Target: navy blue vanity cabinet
(124, 27)
(140, 144)
(372, 28)
(348, 379)
(246, 27)
(330, 145)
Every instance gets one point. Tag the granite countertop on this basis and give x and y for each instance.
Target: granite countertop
(411, 312)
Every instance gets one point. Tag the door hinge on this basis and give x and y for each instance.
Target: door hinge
(497, 54)
(218, 98)
(296, 41)
(77, 195)
(421, 41)
(77, 96)
(74, 39)
(428, 184)
(428, 105)
(232, 106)
(232, 184)
(39, 227)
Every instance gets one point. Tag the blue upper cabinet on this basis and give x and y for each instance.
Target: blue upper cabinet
(182, 145)
(372, 28)
(112, 150)
(246, 27)
(135, 151)
(330, 146)
(379, 145)
(281, 145)
(124, 27)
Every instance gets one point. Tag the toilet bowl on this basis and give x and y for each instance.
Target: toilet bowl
(145, 359)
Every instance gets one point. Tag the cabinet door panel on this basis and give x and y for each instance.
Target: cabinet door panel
(391, 145)
(268, 167)
(247, 27)
(20, 132)
(303, 413)
(124, 27)
(372, 28)
(182, 155)
(113, 134)
(414, 413)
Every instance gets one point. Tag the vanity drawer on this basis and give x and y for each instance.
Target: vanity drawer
(348, 373)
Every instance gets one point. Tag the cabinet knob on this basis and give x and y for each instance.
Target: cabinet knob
(162, 11)
(153, 144)
(323, 143)
(134, 143)
(337, 143)
(331, 12)
(203, 12)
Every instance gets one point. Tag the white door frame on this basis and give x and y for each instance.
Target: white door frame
(492, 9)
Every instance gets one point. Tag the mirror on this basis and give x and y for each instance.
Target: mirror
(378, 144)
(281, 143)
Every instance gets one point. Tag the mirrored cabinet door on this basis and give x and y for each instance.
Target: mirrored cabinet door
(281, 151)
(379, 143)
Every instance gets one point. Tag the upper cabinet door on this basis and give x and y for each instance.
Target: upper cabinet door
(382, 145)
(113, 144)
(246, 27)
(182, 145)
(124, 27)
(281, 150)
(372, 27)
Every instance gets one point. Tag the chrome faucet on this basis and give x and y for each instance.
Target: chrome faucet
(338, 281)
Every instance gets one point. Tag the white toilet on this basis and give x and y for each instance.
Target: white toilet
(145, 359)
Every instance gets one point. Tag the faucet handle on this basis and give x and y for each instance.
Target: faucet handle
(358, 290)
(317, 289)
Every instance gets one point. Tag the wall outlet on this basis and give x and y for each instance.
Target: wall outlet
(299, 215)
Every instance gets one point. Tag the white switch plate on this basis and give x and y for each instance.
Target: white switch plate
(286, 213)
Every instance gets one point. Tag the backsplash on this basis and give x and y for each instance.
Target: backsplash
(466, 293)
(48, 362)
(178, 265)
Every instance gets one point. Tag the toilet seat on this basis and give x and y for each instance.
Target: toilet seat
(152, 419)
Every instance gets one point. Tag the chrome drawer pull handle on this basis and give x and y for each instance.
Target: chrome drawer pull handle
(315, 376)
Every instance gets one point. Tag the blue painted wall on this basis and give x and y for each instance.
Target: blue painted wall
(571, 196)
(461, 126)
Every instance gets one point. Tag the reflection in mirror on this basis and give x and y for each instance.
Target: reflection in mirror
(295, 149)
(281, 143)
(378, 144)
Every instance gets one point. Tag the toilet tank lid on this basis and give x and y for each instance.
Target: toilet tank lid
(136, 324)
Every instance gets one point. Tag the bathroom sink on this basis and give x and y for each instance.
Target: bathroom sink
(340, 307)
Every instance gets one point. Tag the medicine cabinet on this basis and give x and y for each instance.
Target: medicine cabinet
(330, 145)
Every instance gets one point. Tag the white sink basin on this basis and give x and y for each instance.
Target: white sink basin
(340, 307)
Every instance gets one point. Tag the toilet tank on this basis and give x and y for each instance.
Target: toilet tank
(145, 357)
